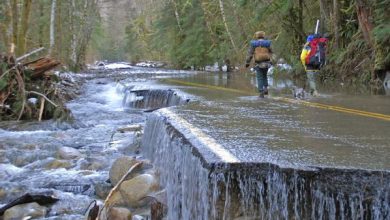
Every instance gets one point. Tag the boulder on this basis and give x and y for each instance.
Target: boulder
(94, 164)
(68, 153)
(116, 199)
(138, 188)
(22, 211)
(3, 193)
(118, 213)
(56, 164)
(120, 168)
(138, 217)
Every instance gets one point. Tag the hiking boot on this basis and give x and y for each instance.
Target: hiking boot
(261, 94)
(265, 91)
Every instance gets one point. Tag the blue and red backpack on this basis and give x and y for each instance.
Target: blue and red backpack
(316, 58)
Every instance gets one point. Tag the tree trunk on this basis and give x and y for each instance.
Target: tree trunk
(177, 15)
(226, 25)
(22, 36)
(52, 26)
(60, 52)
(336, 22)
(4, 27)
(364, 15)
(73, 52)
(323, 15)
(301, 39)
(41, 24)
(87, 23)
(15, 19)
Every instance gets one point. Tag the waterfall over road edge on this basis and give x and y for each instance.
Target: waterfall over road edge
(202, 188)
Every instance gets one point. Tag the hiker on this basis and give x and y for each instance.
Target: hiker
(313, 58)
(260, 48)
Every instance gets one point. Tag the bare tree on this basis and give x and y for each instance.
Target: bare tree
(226, 25)
(15, 21)
(52, 26)
(177, 15)
(24, 24)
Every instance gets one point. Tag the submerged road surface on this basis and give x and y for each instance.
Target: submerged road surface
(330, 131)
(232, 155)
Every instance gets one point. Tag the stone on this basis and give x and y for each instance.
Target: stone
(120, 168)
(137, 188)
(3, 158)
(118, 213)
(22, 211)
(3, 193)
(68, 153)
(23, 159)
(55, 164)
(130, 128)
(117, 200)
(94, 164)
(138, 217)
(102, 189)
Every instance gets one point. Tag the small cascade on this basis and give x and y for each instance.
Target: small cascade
(199, 188)
(151, 99)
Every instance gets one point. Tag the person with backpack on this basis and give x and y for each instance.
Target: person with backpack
(260, 49)
(313, 58)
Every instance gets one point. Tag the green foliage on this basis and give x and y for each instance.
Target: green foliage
(382, 34)
(3, 83)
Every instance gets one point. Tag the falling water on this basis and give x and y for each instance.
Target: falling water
(201, 188)
(151, 99)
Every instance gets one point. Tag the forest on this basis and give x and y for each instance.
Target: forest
(196, 33)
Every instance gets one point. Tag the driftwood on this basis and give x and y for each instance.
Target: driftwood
(43, 96)
(28, 198)
(16, 79)
(93, 211)
(40, 66)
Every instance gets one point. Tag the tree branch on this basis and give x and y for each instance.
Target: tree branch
(43, 96)
(29, 54)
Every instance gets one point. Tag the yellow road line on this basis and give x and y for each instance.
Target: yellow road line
(296, 101)
(209, 86)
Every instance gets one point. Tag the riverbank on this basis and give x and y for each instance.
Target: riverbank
(80, 160)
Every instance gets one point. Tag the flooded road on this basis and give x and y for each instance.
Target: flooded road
(220, 134)
(272, 158)
(269, 130)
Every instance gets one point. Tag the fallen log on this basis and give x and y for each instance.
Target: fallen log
(16, 79)
(28, 198)
(40, 66)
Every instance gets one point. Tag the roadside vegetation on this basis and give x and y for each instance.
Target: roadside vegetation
(195, 33)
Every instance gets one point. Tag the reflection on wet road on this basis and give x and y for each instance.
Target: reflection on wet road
(287, 131)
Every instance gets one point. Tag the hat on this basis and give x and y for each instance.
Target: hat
(259, 34)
